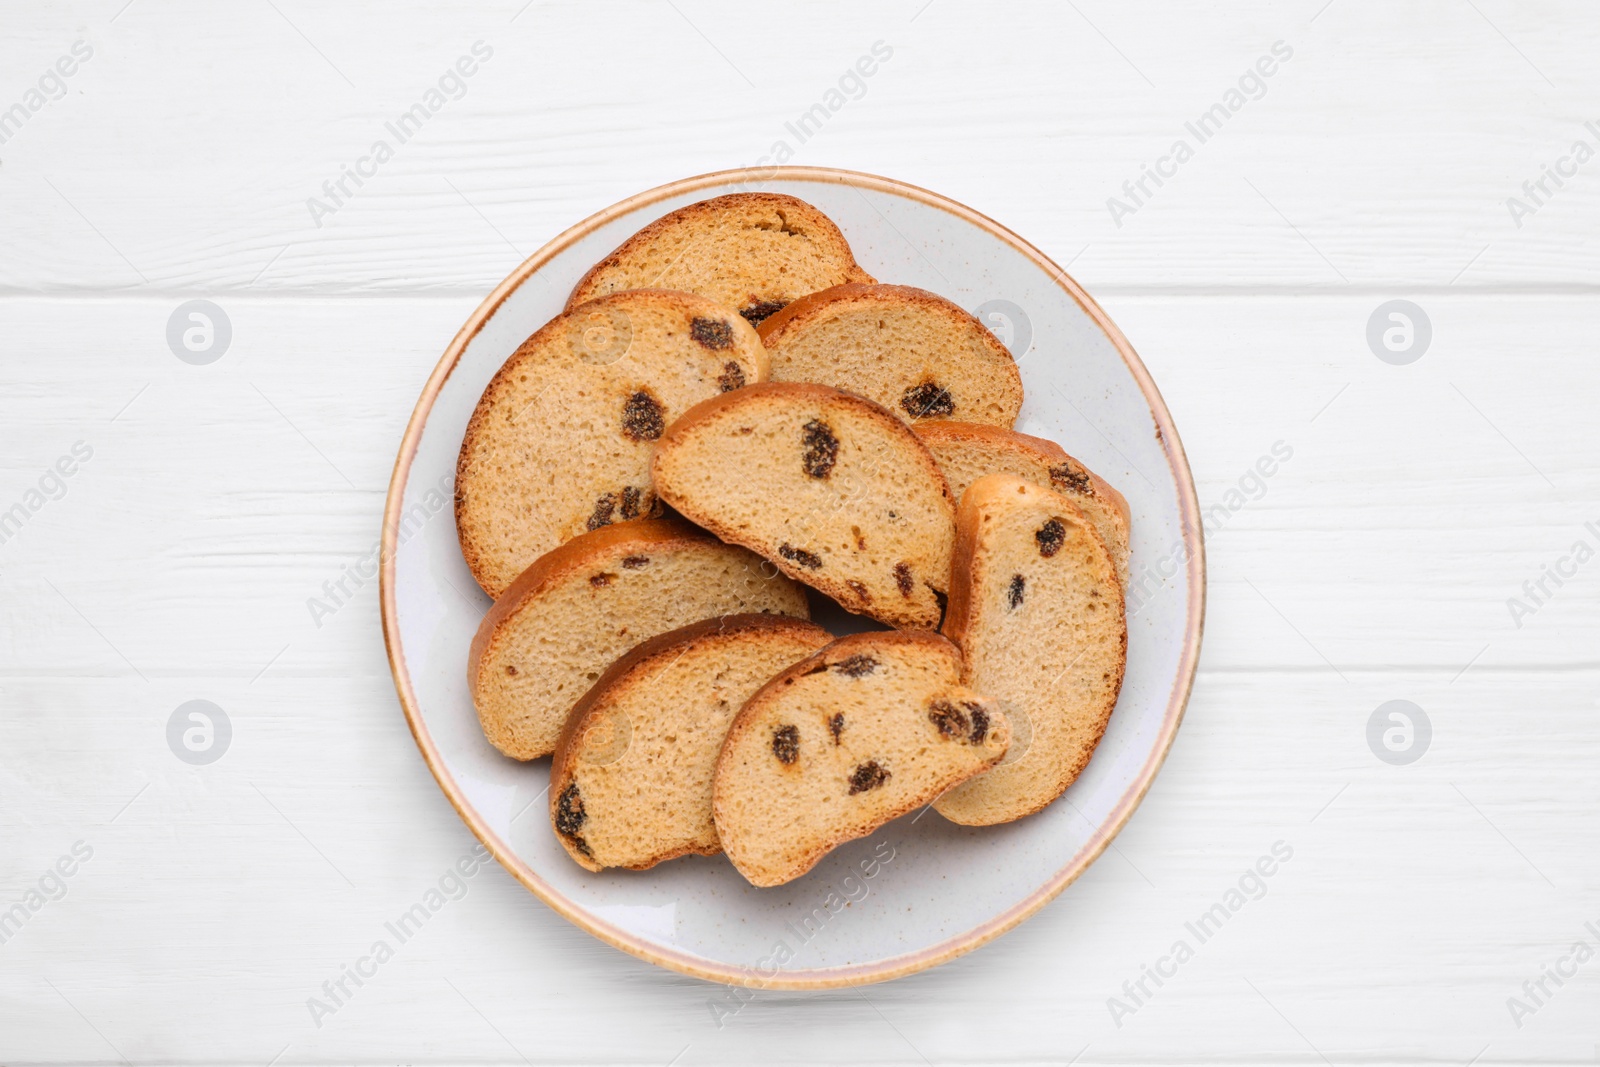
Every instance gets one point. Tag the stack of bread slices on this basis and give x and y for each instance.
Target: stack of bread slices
(730, 424)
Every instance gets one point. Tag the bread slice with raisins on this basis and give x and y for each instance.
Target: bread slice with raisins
(560, 442)
(830, 487)
(567, 617)
(914, 352)
(967, 451)
(869, 728)
(1037, 611)
(630, 785)
(753, 252)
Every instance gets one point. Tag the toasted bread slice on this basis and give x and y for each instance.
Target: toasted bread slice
(830, 487)
(567, 617)
(914, 352)
(860, 733)
(630, 785)
(966, 452)
(560, 443)
(1037, 611)
(753, 252)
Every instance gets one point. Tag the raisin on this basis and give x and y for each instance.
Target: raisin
(786, 744)
(1014, 591)
(761, 310)
(1050, 537)
(800, 556)
(859, 590)
(602, 511)
(633, 563)
(948, 718)
(836, 725)
(821, 448)
(642, 419)
(570, 815)
(601, 580)
(511, 670)
(630, 503)
(581, 845)
(867, 776)
(857, 665)
(980, 721)
(1063, 476)
(902, 578)
(731, 378)
(927, 400)
(711, 333)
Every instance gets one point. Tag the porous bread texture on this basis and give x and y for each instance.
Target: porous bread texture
(967, 452)
(916, 353)
(753, 252)
(860, 733)
(560, 442)
(567, 617)
(630, 784)
(831, 488)
(1037, 611)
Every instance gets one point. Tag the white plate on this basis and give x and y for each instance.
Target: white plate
(920, 890)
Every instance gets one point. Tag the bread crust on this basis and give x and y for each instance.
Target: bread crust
(827, 302)
(839, 649)
(789, 393)
(642, 656)
(808, 307)
(515, 365)
(577, 554)
(1043, 449)
(690, 214)
(1047, 454)
(960, 616)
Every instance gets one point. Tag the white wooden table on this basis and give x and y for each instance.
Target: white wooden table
(208, 503)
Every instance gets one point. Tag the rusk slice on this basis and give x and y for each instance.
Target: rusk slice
(967, 451)
(560, 442)
(914, 352)
(830, 487)
(1037, 611)
(862, 732)
(630, 785)
(567, 617)
(754, 252)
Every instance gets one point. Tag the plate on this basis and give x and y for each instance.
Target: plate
(919, 891)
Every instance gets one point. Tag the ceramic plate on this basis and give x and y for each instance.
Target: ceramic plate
(920, 890)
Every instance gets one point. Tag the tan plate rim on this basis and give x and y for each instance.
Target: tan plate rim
(835, 977)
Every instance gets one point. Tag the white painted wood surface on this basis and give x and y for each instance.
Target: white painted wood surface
(1376, 565)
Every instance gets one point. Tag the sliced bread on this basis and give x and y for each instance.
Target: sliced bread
(1037, 611)
(567, 617)
(914, 352)
(831, 488)
(967, 451)
(560, 442)
(753, 252)
(630, 784)
(865, 730)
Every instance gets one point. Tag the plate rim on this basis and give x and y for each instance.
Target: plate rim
(811, 978)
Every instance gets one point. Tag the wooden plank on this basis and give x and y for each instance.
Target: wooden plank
(1381, 153)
